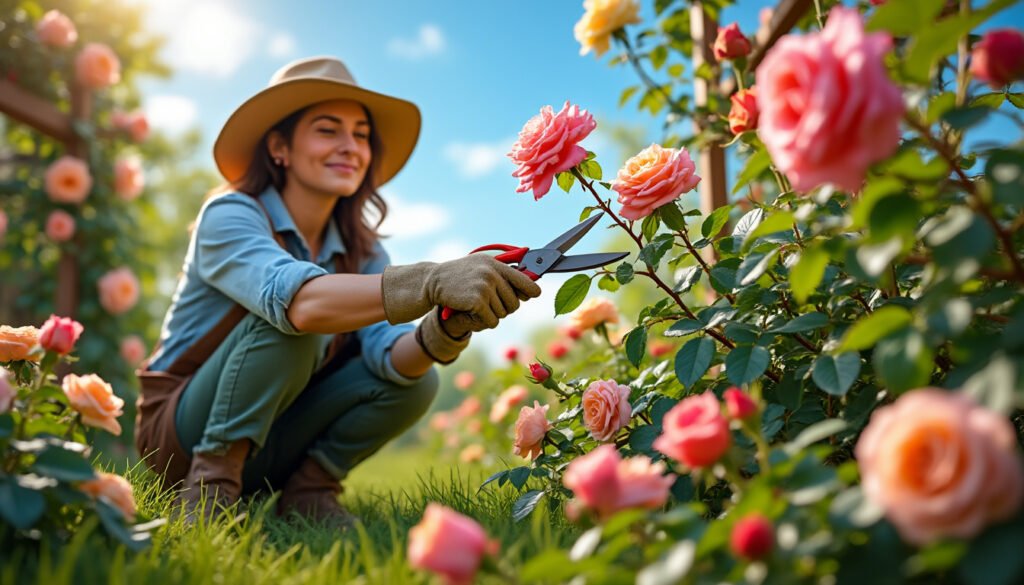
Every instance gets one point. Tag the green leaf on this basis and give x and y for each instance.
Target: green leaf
(989, 100)
(807, 273)
(814, 433)
(993, 385)
(1017, 99)
(940, 38)
(965, 117)
(672, 216)
(894, 216)
(649, 226)
(939, 105)
(806, 322)
(20, 506)
(910, 165)
(525, 504)
(1005, 171)
(754, 266)
(115, 524)
(870, 328)
(590, 169)
(658, 55)
(6, 425)
(636, 345)
(641, 439)
(993, 557)
(777, 222)
(571, 294)
(683, 327)
(745, 363)
(757, 164)
(686, 278)
(587, 211)
(518, 476)
(624, 273)
(959, 234)
(748, 222)
(903, 361)
(652, 253)
(836, 373)
(715, 222)
(565, 180)
(693, 360)
(63, 464)
(499, 475)
(723, 275)
(906, 17)
(607, 282)
(670, 568)
(627, 93)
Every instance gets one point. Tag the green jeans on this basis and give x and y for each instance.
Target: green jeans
(259, 385)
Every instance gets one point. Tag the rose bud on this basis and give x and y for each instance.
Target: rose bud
(59, 334)
(539, 373)
(731, 44)
(743, 115)
(739, 404)
(998, 58)
(752, 537)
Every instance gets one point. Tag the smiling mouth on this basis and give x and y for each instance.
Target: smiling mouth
(343, 168)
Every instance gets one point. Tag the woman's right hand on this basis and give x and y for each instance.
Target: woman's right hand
(476, 284)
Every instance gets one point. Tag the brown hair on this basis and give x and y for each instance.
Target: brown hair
(349, 213)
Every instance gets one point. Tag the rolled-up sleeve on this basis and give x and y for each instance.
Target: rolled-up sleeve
(377, 339)
(236, 253)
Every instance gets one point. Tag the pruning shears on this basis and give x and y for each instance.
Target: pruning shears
(551, 258)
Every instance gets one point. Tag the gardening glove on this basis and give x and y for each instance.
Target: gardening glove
(476, 284)
(437, 339)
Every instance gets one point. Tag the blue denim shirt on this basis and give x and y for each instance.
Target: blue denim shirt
(232, 257)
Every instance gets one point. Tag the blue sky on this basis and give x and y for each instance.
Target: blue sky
(478, 72)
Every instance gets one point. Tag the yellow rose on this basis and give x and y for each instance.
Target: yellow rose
(602, 18)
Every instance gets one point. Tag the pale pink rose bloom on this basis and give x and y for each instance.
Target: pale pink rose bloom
(593, 312)
(115, 490)
(940, 465)
(653, 177)
(549, 144)
(601, 19)
(441, 421)
(512, 396)
(7, 391)
(119, 290)
(643, 483)
(468, 407)
(128, 178)
(472, 454)
(606, 408)
(594, 480)
(828, 110)
(695, 432)
(60, 226)
(133, 350)
(3, 224)
(56, 30)
(67, 180)
(134, 123)
(463, 380)
(94, 399)
(531, 426)
(448, 544)
(59, 334)
(97, 66)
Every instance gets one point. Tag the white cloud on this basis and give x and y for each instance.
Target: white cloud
(516, 328)
(212, 37)
(430, 41)
(407, 219)
(281, 45)
(447, 250)
(480, 158)
(171, 113)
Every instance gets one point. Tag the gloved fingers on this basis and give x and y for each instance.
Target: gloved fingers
(508, 297)
(486, 316)
(520, 281)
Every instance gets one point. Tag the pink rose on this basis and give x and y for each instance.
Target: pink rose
(743, 115)
(7, 392)
(606, 408)
(133, 350)
(539, 372)
(97, 66)
(739, 404)
(549, 144)
(731, 44)
(94, 399)
(115, 490)
(695, 432)
(605, 483)
(134, 123)
(56, 30)
(512, 396)
(660, 347)
(531, 427)
(652, 178)
(940, 465)
(448, 544)
(60, 226)
(557, 349)
(128, 178)
(464, 380)
(752, 538)
(59, 334)
(643, 483)
(119, 290)
(68, 180)
(827, 108)
(998, 58)
(441, 421)
(593, 312)
(3, 224)
(468, 407)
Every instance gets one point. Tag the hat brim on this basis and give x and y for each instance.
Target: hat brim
(396, 121)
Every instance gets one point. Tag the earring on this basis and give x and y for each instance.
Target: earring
(277, 161)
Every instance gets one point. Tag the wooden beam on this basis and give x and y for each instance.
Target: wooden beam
(32, 110)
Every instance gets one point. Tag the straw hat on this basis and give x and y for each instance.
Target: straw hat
(303, 83)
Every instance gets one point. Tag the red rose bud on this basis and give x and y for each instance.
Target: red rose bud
(998, 58)
(743, 115)
(739, 404)
(539, 373)
(572, 332)
(557, 349)
(731, 44)
(752, 538)
(59, 334)
(511, 354)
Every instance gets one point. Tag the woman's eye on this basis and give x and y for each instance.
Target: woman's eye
(326, 130)
(362, 136)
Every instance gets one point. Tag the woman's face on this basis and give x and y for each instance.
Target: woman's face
(330, 149)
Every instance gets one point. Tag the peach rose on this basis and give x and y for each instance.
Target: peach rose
(468, 407)
(998, 59)
(731, 44)
(133, 350)
(512, 396)
(828, 110)
(549, 144)
(68, 180)
(605, 483)
(695, 432)
(134, 123)
(463, 380)
(531, 427)
(653, 177)
(60, 226)
(7, 392)
(128, 178)
(743, 115)
(606, 408)
(97, 66)
(940, 465)
(601, 19)
(593, 312)
(59, 334)
(56, 30)
(16, 343)
(448, 544)
(113, 489)
(441, 421)
(119, 290)
(472, 454)
(94, 399)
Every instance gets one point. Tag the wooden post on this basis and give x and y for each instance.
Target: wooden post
(711, 160)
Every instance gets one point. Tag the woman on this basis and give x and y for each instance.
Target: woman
(308, 371)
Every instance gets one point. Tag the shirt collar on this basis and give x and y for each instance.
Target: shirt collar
(282, 221)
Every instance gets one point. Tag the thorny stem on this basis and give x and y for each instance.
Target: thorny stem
(707, 269)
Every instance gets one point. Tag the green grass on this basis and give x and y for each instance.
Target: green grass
(388, 492)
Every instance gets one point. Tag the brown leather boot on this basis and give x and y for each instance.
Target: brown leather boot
(313, 492)
(212, 481)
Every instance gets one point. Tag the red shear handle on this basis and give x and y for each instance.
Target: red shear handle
(510, 254)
